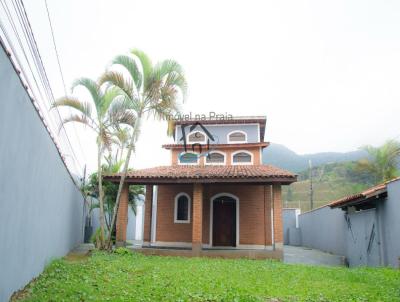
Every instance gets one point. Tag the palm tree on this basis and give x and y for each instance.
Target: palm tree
(122, 137)
(382, 161)
(110, 110)
(151, 90)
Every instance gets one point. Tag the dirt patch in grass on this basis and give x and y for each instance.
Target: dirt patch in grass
(22, 293)
(77, 257)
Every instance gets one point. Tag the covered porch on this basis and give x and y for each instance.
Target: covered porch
(233, 216)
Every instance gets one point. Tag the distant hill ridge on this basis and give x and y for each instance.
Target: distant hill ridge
(281, 156)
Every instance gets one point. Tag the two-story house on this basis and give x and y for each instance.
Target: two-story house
(215, 195)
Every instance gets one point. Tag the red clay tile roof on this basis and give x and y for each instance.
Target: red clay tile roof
(370, 192)
(208, 174)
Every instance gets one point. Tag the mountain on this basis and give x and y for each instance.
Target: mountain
(281, 156)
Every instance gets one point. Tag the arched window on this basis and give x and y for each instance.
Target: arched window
(236, 137)
(189, 158)
(242, 158)
(196, 137)
(215, 158)
(182, 208)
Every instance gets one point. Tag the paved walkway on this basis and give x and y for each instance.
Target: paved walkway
(303, 255)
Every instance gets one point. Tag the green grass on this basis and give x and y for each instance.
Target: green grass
(134, 277)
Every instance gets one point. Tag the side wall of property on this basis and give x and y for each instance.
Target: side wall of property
(324, 229)
(41, 210)
(290, 225)
(389, 220)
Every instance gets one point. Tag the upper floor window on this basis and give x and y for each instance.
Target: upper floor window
(182, 208)
(242, 158)
(196, 137)
(215, 158)
(188, 158)
(237, 136)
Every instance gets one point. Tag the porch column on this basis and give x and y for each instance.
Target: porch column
(197, 221)
(147, 214)
(122, 216)
(268, 214)
(277, 209)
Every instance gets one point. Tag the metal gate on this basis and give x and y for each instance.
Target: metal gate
(363, 239)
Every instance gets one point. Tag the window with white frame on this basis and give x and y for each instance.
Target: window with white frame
(182, 208)
(242, 158)
(189, 158)
(237, 137)
(196, 137)
(215, 158)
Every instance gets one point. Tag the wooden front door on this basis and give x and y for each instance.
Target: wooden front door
(224, 221)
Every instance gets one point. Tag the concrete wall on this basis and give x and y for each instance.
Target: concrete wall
(133, 224)
(290, 226)
(220, 132)
(41, 210)
(324, 229)
(389, 221)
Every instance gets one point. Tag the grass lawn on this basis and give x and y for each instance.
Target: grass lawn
(134, 277)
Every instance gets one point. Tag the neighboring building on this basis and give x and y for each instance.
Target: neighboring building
(364, 228)
(373, 225)
(215, 194)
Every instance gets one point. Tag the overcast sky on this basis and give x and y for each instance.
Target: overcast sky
(325, 73)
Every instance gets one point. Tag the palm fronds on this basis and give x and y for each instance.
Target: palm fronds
(131, 66)
(382, 162)
(73, 102)
(117, 79)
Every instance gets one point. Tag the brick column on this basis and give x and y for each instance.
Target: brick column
(197, 220)
(148, 202)
(122, 216)
(267, 215)
(278, 228)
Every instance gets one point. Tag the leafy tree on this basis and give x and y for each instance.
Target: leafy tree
(110, 191)
(151, 90)
(382, 161)
(105, 113)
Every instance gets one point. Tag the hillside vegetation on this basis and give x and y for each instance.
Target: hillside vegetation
(330, 182)
(281, 156)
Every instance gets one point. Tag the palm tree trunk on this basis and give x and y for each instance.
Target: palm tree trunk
(101, 198)
(123, 176)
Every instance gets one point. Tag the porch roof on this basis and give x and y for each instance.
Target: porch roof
(208, 174)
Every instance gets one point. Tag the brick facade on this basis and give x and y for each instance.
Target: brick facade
(278, 227)
(147, 213)
(256, 151)
(254, 213)
(167, 230)
(122, 215)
